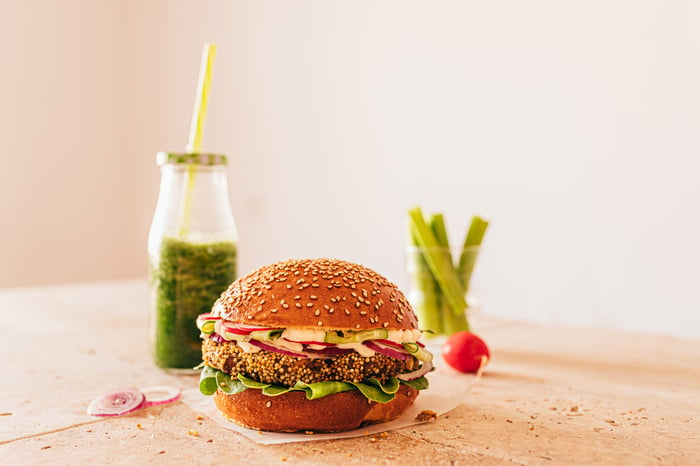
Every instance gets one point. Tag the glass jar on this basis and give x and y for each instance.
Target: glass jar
(427, 296)
(192, 248)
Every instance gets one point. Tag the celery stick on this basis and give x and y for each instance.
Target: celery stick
(439, 264)
(424, 294)
(475, 235)
(437, 224)
(451, 322)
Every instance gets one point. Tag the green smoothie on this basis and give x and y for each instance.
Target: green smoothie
(185, 281)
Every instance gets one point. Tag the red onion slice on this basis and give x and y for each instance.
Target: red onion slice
(160, 395)
(390, 343)
(275, 349)
(424, 369)
(117, 403)
(387, 351)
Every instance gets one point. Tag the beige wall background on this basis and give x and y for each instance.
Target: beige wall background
(572, 126)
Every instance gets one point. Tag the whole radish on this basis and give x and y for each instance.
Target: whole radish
(465, 352)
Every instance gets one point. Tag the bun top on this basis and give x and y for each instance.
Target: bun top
(327, 294)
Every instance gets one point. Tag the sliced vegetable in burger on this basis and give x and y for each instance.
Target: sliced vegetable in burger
(315, 344)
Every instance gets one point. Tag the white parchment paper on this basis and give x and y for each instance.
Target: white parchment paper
(447, 389)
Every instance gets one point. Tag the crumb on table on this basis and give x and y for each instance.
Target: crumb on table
(426, 415)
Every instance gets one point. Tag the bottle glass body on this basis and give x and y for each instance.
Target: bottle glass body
(192, 251)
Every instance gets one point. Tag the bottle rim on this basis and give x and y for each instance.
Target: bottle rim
(190, 158)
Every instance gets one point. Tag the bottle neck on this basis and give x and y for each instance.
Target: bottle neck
(193, 203)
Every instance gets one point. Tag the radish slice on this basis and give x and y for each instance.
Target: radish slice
(117, 403)
(242, 329)
(424, 369)
(160, 395)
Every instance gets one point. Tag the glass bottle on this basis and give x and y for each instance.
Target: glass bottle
(192, 246)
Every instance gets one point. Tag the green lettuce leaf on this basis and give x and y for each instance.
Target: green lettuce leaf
(390, 387)
(228, 384)
(371, 388)
(321, 389)
(207, 381)
(420, 383)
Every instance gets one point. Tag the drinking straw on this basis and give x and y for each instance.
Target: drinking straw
(199, 113)
(194, 144)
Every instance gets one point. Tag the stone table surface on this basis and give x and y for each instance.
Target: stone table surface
(550, 395)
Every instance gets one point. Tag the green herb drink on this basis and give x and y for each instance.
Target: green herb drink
(192, 250)
(187, 280)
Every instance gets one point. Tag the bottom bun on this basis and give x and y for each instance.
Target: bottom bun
(292, 412)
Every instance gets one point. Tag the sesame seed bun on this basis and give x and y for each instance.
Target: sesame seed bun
(292, 412)
(328, 294)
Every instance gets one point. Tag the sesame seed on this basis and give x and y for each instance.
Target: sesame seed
(297, 304)
(273, 310)
(319, 323)
(313, 296)
(347, 312)
(297, 297)
(309, 304)
(357, 304)
(386, 324)
(363, 313)
(330, 311)
(357, 326)
(289, 287)
(285, 305)
(317, 312)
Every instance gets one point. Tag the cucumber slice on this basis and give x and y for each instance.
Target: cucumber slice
(208, 327)
(418, 352)
(356, 337)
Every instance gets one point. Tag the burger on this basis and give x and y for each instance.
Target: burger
(319, 345)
